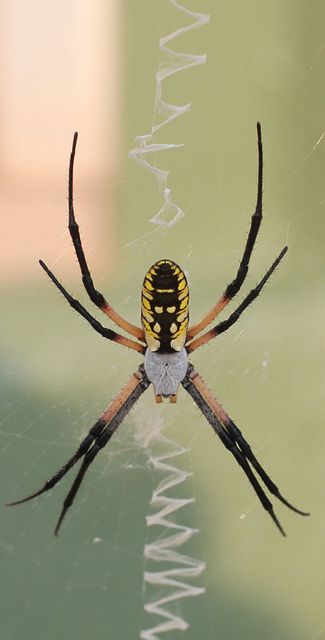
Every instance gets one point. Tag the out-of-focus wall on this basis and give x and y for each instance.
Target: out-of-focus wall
(59, 72)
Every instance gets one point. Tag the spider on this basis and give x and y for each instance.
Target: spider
(166, 341)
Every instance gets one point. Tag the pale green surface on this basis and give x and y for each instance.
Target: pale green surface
(264, 62)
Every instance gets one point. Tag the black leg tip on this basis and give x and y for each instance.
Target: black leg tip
(74, 141)
(43, 265)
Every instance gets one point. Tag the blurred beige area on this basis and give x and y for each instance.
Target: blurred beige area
(59, 72)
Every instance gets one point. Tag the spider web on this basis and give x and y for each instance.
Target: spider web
(162, 550)
(265, 61)
(164, 112)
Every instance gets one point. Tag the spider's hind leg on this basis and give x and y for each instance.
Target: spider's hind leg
(97, 438)
(238, 437)
(233, 440)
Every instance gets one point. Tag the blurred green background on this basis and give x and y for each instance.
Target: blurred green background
(265, 62)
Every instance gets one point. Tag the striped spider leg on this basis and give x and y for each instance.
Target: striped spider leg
(95, 296)
(97, 438)
(234, 286)
(232, 438)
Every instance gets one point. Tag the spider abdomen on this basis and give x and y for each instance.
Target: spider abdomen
(164, 307)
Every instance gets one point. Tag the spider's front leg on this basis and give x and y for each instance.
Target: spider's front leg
(234, 286)
(234, 441)
(95, 296)
(97, 438)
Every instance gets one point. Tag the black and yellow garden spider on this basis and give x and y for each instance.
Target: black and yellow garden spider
(165, 340)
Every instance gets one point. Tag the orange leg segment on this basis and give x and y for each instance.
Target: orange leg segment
(218, 307)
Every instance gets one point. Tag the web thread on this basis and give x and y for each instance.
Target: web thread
(164, 112)
(171, 584)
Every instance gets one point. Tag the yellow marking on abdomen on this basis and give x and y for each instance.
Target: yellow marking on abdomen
(181, 316)
(146, 304)
(147, 294)
(181, 285)
(184, 303)
(147, 315)
(148, 285)
(183, 294)
(165, 290)
(165, 297)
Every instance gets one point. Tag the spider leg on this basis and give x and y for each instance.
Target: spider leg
(237, 436)
(101, 441)
(234, 286)
(82, 449)
(233, 440)
(225, 324)
(92, 452)
(103, 331)
(95, 296)
(96, 439)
